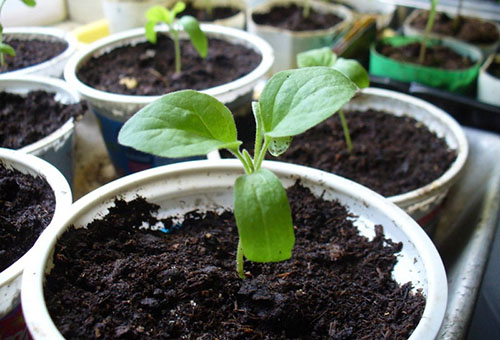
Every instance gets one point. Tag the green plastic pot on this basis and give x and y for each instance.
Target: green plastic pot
(459, 81)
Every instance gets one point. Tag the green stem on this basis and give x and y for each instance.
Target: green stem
(428, 29)
(177, 48)
(2, 59)
(248, 158)
(345, 128)
(249, 168)
(239, 261)
(307, 9)
(208, 6)
(262, 153)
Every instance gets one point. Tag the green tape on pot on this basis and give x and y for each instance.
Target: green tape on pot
(459, 81)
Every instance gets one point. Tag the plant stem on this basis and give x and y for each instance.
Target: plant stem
(345, 128)
(2, 59)
(239, 261)
(456, 20)
(177, 49)
(307, 9)
(262, 153)
(428, 29)
(249, 167)
(208, 5)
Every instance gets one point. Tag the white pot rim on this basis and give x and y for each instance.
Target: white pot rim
(73, 64)
(62, 193)
(57, 85)
(449, 176)
(68, 37)
(37, 316)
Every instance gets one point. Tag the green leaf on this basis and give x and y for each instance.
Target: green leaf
(30, 3)
(263, 217)
(354, 71)
(198, 38)
(150, 32)
(178, 8)
(7, 49)
(158, 14)
(279, 145)
(293, 101)
(181, 124)
(317, 57)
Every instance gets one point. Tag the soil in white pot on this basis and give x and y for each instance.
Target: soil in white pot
(117, 281)
(218, 12)
(27, 204)
(494, 68)
(148, 69)
(31, 52)
(25, 119)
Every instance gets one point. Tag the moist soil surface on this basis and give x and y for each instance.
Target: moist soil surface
(218, 12)
(27, 205)
(391, 155)
(148, 69)
(436, 56)
(467, 29)
(28, 118)
(31, 52)
(116, 281)
(291, 18)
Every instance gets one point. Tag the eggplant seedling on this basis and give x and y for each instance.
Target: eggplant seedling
(189, 123)
(160, 14)
(428, 29)
(5, 48)
(349, 67)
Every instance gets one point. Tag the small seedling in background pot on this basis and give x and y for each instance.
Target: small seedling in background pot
(160, 14)
(306, 9)
(349, 67)
(189, 123)
(428, 29)
(5, 48)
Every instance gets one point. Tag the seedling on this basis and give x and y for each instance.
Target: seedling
(458, 17)
(307, 8)
(209, 8)
(349, 67)
(160, 14)
(189, 123)
(428, 29)
(5, 48)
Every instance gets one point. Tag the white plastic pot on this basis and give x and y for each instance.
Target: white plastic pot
(11, 320)
(488, 86)
(410, 30)
(287, 44)
(56, 148)
(114, 109)
(382, 10)
(234, 21)
(424, 203)
(207, 185)
(53, 67)
(85, 11)
(46, 12)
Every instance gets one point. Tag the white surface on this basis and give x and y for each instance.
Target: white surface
(16, 13)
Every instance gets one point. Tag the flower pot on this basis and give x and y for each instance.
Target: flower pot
(85, 11)
(235, 21)
(11, 321)
(488, 86)
(207, 185)
(383, 11)
(46, 12)
(53, 67)
(486, 48)
(113, 110)
(56, 148)
(459, 81)
(287, 43)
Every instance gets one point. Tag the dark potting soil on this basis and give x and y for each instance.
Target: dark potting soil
(28, 118)
(147, 69)
(116, 281)
(27, 205)
(291, 18)
(391, 155)
(31, 52)
(468, 29)
(436, 56)
(218, 12)
(494, 68)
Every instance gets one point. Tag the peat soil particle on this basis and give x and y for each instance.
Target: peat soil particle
(31, 52)
(149, 69)
(28, 118)
(291, 18)
(116, 281)
(436, 56)
(27, 205)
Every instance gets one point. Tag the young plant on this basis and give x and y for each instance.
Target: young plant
(5, 48)
(428, 29)
(189, 123)
(160, 14)
(458, 16)
(307, 8)
(349, 67)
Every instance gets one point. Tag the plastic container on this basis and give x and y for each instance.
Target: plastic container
(488, 86)
(85, 11)
(46, 12)
(207, 185)
(113, 110)
(56, 148)
(459, 81)
(234, 21)
(287, 43)
(12, 324)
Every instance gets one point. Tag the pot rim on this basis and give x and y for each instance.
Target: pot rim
(260, 46)
(37, 316)
(33, 82)
(451, 175)
(68, 37)
(63, 198)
